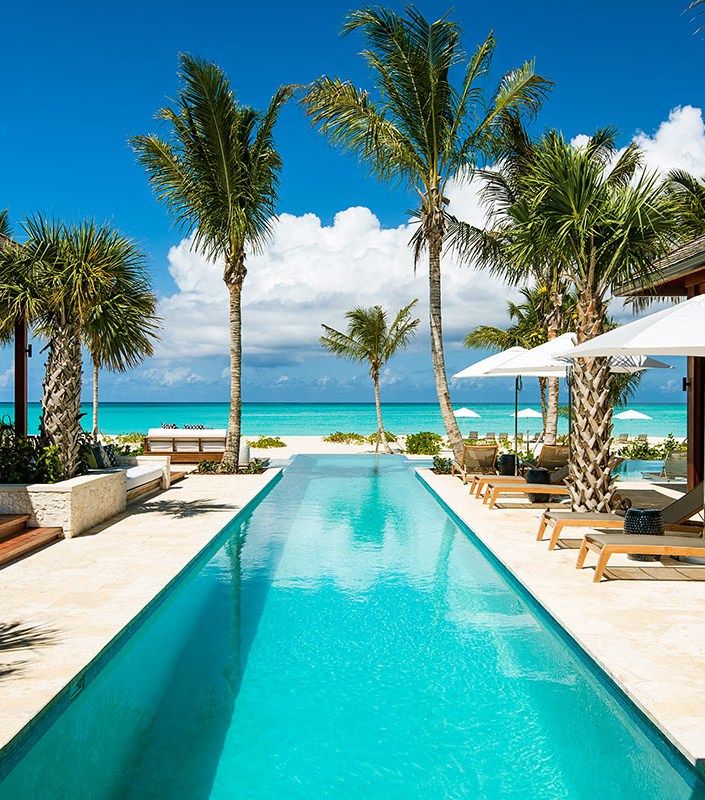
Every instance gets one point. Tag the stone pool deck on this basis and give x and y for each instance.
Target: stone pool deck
(62, 606)
(645, 626)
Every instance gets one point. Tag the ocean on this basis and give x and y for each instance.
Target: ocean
(319, 419)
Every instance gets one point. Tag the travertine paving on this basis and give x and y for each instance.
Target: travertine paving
(645, 627)
(62, 606)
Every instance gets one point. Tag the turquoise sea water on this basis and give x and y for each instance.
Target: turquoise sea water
(319, 419)
(348, 640)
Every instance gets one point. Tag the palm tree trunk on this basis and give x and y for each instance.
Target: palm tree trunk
(437, 356)
(231, 455)
(381, 436)
(60, 423)
(542, 393)
(95, 400)
(551, 425)
(591, 483)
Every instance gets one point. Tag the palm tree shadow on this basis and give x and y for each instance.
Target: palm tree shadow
(182, 509)
(16, 637)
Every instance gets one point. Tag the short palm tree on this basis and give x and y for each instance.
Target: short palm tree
(54, 280)
(369, 338)
(217, 174)
(688, 195)
(121, 326)
(421, 129)
(4, 224)
(606, 221)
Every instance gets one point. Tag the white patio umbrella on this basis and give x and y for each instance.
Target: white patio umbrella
(675, 331)
(527, 413)
(466, 412)
(631, 413)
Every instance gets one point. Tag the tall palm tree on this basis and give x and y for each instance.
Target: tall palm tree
(4, 224)
(218, 174)
(371, 339)
(688, 194)
(606, 220)
(54, 280)
(121, 326)
(421, 129)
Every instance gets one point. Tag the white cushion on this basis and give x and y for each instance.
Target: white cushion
(186, 433)
(141, 474)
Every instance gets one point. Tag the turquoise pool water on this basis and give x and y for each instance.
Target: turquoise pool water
(347, 639)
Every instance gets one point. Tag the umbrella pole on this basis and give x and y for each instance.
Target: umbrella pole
(569, 381)
(517, 387)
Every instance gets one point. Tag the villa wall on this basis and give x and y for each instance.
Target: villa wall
(74, 505)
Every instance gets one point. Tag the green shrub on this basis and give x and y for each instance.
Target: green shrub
(643, 451)
(207, 467)
(442, 466)
(372, 438)
(26, 460)
(256, 467)
(345, 438)
(425, 443)
(126, 444)
(267, 441)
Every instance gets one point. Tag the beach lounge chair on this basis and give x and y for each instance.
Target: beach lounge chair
(548, 489)
(490, 436)
(675, 517)
(606, 545)
(504, 436)
(553, 457)
(474, 435)
(477, 458)
(623, 438)
(642, 437)
(675, 468)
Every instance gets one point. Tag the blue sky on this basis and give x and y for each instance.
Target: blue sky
(80, 78)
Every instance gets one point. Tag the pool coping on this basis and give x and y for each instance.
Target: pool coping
(14, 748)
(475, 524)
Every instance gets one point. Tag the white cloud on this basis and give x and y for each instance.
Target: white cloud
(171, 376)
(312, 273)
(6, 377)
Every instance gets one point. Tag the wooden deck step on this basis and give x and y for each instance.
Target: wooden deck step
(30, 539)
(12, 523)
(175, 477)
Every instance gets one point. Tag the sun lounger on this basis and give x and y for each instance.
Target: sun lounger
(474, 435)
(642, 437)
(675, 517)
(490, 436)
(504, 436)
(606, 545)
(675, 468)
(623, 438)
(556, 461)
(477, 458)
(548, 489)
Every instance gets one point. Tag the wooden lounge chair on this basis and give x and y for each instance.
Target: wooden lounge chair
(548, 489)
(623, 438)
(675, 517)
(553, 457)
(490, 436)
(642, 437)
(474, 435)
(504, 436)
(606, 545)
(477, 458)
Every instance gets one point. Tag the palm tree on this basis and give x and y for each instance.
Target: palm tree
(605, 220)
(54, 280)
(688, 195)
(370, 339)
(421, 130)
(218, 175)
(120, 328)
(4, 224)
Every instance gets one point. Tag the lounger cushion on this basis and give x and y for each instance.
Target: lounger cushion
(186, 433)
(648, 541)
(587, 517)
(141, 474)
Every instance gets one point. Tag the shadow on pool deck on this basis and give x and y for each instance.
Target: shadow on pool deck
(15, 638)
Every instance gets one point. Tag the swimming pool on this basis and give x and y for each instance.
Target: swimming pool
(347, 639)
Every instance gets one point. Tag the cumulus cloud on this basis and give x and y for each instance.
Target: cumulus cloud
(312, 273)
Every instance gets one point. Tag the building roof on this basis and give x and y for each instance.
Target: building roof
(682, 267)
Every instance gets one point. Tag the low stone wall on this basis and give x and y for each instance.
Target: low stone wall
(74, 505)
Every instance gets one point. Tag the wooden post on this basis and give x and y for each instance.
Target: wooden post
(21, 352)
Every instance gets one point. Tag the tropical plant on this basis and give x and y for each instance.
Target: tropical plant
(340, 437)
(606, 220)
(264, 442)
(121, 326)
(421, 129)
(442, 466)
(217, 174)
(4, 224)
(54, 280)
(688, 195)
(371, 339)
(424, 443)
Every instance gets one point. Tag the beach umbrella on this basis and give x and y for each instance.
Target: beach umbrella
(527, 413)
(675, 331)
(630, 413)
(466, 412)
